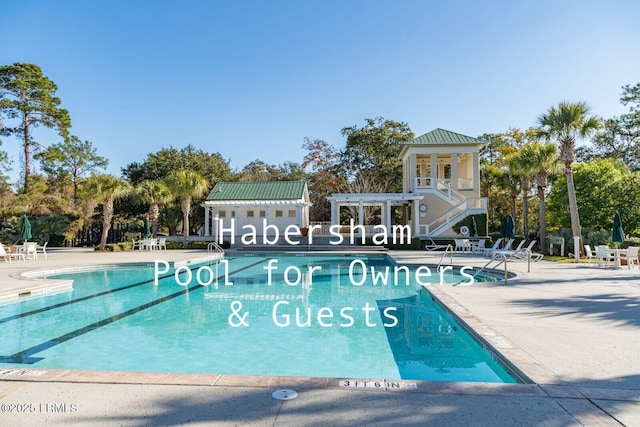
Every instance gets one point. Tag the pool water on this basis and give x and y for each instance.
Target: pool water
(329, 322)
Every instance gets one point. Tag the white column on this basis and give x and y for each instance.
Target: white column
(206, 221)
(416, 219)
(434, 169)
(361, 215)
(454, 171)
(236, 223)
(412, 171)
(216, 230)
(335, 212)
(476, 175)
(386, 216)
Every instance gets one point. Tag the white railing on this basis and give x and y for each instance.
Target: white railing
(450, 217)
(444, 186)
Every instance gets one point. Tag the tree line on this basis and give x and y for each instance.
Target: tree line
(539, 175)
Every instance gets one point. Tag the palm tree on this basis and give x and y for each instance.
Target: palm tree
(566, 123)
(155, 193)
(185, 185)
(106, 189)
(521, 168)
(539, 161)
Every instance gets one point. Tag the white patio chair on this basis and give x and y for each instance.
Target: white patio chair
(631, 256)
(603, 256)
(162, 243)
(30, 250)
(8, 256)
(462, 245)
(479, 247)
(590, 255)
(43, 249)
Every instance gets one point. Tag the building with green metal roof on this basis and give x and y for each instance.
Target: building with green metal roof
(233, 208)
(441, 185)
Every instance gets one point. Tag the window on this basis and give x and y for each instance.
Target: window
(278, 214)
(222, 214)
(292, 213)
(233, 214)
(262, 214)
(249, 214)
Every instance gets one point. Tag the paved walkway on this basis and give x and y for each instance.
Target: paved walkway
(573, 329)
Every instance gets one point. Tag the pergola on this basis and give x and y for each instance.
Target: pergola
(383, 200)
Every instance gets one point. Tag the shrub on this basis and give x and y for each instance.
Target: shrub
(175, 245)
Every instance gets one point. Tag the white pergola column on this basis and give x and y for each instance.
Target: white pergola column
(386, 216)
(216, 229)
(236, 222)
(207, 210)
(454, 171)
(416, 219)
(361, 215)
(335, 212)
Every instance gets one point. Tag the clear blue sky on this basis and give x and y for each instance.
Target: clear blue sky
(251, 79)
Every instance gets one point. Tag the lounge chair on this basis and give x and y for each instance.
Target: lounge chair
(487, 251)
(511, 252)
(433, 246)
(8, 256)
(479, 247)
(506, 247)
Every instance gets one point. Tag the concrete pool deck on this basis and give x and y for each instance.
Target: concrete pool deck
(573, 329)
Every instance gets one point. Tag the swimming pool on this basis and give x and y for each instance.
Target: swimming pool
(318, 316)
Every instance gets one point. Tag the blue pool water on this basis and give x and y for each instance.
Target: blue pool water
(329, 323)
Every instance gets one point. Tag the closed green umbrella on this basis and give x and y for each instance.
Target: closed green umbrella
(25, 230)
(473, 231)
(503, 226)
(510, 228)
(617, 235)
(147, 228)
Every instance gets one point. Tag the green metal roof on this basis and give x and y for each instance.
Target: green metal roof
(441, 136)
(271, 190)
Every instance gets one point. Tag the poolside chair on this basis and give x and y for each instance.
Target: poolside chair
(162, 243)
(631, 256)
(8, 256)
(512, 252)
(30, 250)
(479, 247)
(603, 256)
(506, 247)
(590, 255)
(43, 249)
(487, 251)
(433, 246)
(524, 253)
(462, 245)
